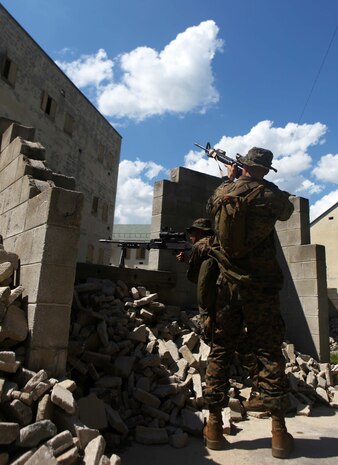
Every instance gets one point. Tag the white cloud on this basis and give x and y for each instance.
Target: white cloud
(327, 169)
(177, 79)
(289, 144)
(308, 187)
(135, 195)
(89, 70)
(323, 204)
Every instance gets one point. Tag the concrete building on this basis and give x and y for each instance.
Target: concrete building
(134, 258)
(79, 141)
(324, 230)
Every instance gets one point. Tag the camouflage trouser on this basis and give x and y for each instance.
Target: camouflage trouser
(260, 312)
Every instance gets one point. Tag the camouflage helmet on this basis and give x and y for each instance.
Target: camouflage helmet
(257, 157)
(204, 224)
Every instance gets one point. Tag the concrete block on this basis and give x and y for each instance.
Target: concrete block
(8, 432)
(16, 220)
(63, 399)
(65, 208)
(9, 174)
(306, 287)
(301, 270)
(306, 253)
(14, 325)
(48, 283)
(52, 359)
(48, 325)
(94, 451)
(17, 130)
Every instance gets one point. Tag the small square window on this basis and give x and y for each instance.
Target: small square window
(331, 217)
(69, 124)
(48, 105)
(140, 254)
(9, 70)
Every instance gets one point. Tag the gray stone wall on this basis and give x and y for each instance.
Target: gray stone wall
(304, 296)
(40, 217)
(91, 154)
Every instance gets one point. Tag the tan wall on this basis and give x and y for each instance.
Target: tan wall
(325, 232)
(76, 155)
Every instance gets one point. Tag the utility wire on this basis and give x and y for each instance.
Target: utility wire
(318, 74)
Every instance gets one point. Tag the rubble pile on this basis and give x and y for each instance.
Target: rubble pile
(311, 382)
(38, 414)
(140, 366)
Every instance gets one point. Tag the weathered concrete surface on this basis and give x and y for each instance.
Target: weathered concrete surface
(316, 444)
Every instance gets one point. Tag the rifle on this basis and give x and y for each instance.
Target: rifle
(168, 240)
(220, 155)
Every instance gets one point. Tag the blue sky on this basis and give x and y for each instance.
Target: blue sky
(168, 73)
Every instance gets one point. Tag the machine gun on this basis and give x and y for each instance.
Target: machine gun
(168, 240)
(220, 155)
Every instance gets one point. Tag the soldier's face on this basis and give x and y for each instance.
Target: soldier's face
(195, 235)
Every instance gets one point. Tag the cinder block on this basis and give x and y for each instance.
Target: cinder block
(38, 209)
(52, 360)
(29, 245)
(50, 284)
(16, 220)
(306, 287)
(16, 130)
(306, 253)
(61, 246)
(48, 325)
(9, 174)
(304, 270)
(65, 208)
(289, 237)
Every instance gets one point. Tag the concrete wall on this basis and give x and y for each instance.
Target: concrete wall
(40, 218)
(324, 231)
(90, 154)
(177, 202)
(303, 299)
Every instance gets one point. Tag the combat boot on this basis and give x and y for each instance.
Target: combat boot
(213, 431)
(282, 441)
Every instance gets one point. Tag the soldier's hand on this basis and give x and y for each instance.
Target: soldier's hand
(181, 257)
(232, 171)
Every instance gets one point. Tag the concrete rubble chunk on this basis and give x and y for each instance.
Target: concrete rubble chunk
(44, 456)
(179, 440)
(5, 292)
(94, 451)
(85, 435)
(45, 408)
(63, 399)
(188, 356)
(68, 457)
(115, 460)
(123, 365)
(35, 380)
(144, 300)
(68, 384)
(6, 270)
(146, 398)
(32, 435)
(19, 412)
(15, 293)
(8, 432)
(60, 442)
(8, 362)
(148, 435)
(14, 325)
(139, 334)
(192, 421)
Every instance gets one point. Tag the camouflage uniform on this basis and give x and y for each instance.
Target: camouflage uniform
(254, 300)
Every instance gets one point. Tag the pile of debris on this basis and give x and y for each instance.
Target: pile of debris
(141, 364)
(38, 414)
(135, 371)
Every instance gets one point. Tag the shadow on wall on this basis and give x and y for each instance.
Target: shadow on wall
(297, 328)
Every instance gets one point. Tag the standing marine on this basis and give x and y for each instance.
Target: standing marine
(245, 212)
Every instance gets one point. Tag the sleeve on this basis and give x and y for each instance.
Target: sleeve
(287, 207)
(217, 195)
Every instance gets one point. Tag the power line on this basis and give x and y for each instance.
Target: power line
(318, 74)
